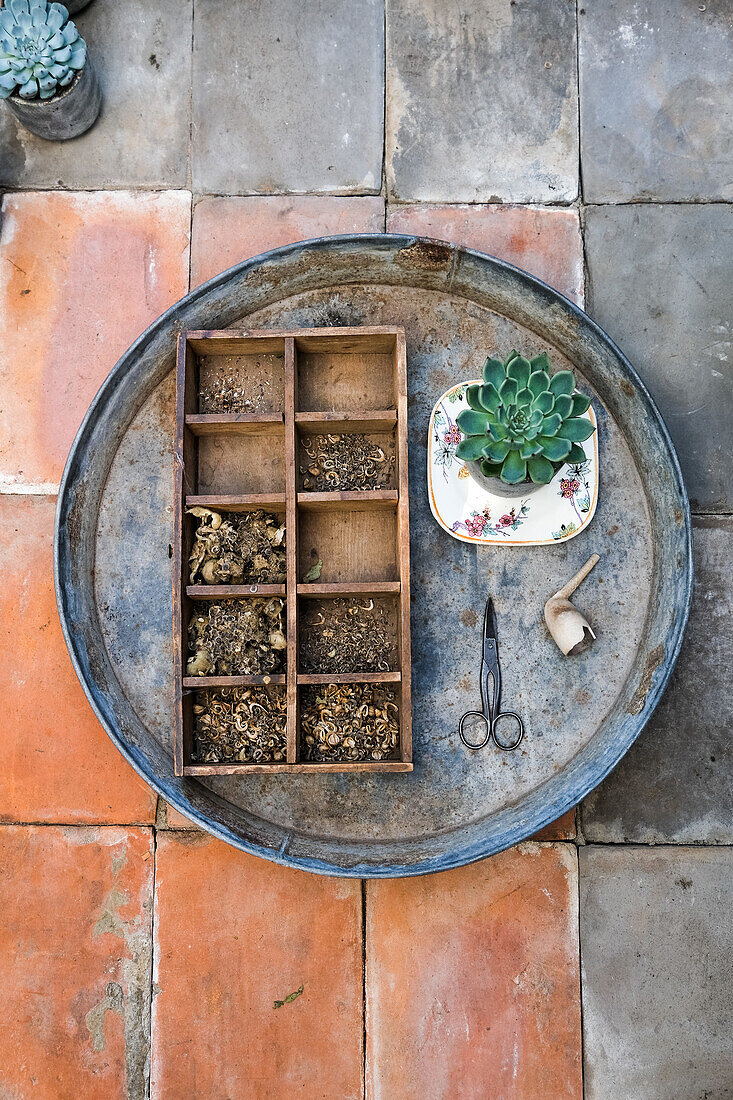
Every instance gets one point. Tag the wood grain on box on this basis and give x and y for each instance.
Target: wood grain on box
(317, 380)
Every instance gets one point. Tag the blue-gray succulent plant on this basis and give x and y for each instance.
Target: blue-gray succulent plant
(40, 49)
(523, 424)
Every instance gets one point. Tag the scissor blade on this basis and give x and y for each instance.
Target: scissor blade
(490, 646)
(490, 620)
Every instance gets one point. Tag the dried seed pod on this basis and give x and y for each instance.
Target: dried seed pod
(240, 637)
(346, 462)
(335, 722)
(345, 635)
(242, 547)
(200, 664)
(569, 627)
(222, 731)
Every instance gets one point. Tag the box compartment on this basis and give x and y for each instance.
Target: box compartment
(334, 381)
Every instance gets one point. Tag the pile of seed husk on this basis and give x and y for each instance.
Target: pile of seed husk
(349, 722)
(237, 548)
(245, 725)
(346, 635)
(227, 389)
(344, 462)
(237, 638)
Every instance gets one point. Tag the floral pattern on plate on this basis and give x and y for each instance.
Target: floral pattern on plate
(554, 513)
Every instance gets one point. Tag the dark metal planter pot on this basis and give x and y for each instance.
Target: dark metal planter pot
(66, 115)
(114, 528)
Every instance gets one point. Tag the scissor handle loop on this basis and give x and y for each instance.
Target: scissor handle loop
(474, 714)
(520, 725)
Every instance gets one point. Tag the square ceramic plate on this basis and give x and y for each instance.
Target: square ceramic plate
(554, 513)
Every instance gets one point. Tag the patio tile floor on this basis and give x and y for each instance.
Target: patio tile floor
(233, 935)
(75, 955)
(83, 275)
(58, 763)
(472, 980)
(216, 143)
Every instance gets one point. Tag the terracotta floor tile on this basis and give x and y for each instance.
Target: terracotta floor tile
(229, 230)
(562, 829)
(543, 241)
(58, 763)
(75, 959)
(473, 981)
(81, 275)
(234, 934)
(170, 818)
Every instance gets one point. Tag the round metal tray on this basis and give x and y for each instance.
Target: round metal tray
(115, 526)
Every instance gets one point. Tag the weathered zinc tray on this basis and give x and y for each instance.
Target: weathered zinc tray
(114, 539)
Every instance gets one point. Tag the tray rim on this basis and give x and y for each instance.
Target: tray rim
(519, 826)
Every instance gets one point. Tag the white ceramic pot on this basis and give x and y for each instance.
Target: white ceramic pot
(497, 487)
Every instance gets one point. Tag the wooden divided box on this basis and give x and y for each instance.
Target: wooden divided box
(291, 578)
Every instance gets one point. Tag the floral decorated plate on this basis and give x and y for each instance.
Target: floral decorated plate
(554, 513)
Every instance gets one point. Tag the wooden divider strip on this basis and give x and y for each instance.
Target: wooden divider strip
(291, 537)
(403, 550)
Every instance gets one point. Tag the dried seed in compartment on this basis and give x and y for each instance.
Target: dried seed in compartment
(237, 638)
(349, 722)
(348, 635)
(226, 387)
(345, 462)
(237, 548)
(240, 725)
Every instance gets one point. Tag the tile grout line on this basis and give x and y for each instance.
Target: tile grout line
(580, 980)
(585, 842)
(345, 193)
(384, 191)
(581, 197)
(189, 159)
(364, 989)
(149, 1082)
(581, 193)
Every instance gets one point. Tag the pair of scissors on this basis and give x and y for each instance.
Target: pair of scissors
(482, 724)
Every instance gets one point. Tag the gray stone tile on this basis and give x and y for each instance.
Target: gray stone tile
(659, 282)
(142, 54)
(675, 782)
(482, 101)
(656, 934)
(288, 96)
(656, 86)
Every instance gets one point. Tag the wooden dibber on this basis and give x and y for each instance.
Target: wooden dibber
(570, 629)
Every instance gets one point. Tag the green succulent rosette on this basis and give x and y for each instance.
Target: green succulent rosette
(523, 423)
(40, 50)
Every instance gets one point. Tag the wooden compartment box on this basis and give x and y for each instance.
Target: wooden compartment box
(252, 409)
